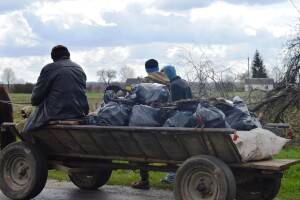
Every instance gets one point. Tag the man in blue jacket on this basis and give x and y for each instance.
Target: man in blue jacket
(60, 91)
(180, 89)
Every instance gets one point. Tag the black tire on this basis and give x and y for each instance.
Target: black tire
(90, 180)
(259, 188)
(23, 171)
(204, 177)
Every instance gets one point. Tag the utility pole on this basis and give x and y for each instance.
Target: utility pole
(248, 68)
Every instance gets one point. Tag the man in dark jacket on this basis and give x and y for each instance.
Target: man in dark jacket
(60, 91)
(154, 76)
(180, 89)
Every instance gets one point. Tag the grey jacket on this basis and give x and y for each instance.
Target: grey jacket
(60, 93)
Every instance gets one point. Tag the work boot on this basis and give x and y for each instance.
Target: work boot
(141, 185)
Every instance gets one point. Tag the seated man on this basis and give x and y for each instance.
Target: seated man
(60, 91)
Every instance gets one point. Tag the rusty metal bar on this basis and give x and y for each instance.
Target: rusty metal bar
(110, 166)
(63, 156)
(169, 130)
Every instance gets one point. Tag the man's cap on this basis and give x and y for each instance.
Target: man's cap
(151, 65)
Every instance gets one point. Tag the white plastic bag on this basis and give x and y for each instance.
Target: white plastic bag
(258, 144)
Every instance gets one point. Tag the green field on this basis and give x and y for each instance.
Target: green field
(290, 189)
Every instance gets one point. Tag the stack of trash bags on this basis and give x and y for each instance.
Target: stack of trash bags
(142, 108)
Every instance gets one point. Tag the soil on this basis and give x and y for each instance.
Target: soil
(294, 142)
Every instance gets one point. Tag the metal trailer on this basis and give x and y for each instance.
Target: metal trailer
(206, 161)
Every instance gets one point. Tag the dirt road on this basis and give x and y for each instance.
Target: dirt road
(56, 190)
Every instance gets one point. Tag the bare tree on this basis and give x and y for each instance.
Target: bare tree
(203, 72)
(284, 98)
(106, 75)
(8, 76)
(126, 72)
(277, 73)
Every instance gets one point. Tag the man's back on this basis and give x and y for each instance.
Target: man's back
(60, 93)
(180, 89)
(67, 84)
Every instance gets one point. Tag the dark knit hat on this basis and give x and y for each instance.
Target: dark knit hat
(59, 51)
(151, 65)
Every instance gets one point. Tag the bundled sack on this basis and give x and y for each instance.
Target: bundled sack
(111, 114)
(209, 116)
(258, 144)
(149, 93)
(179, 119)
(238, 116)
(143, 115)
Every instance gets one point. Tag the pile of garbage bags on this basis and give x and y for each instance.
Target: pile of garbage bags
(147, 105)
(142, 107)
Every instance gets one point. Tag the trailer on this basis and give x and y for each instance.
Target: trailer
(206, 161)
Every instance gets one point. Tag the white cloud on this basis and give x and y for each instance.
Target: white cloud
(15, 30)
(250, 32)
(87, 12)
(111, 34)
(251, 19)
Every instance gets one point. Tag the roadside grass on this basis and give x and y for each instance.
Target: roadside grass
(290, 182)
(290, 186)
(21, 99)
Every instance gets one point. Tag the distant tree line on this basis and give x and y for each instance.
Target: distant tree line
(206, 77)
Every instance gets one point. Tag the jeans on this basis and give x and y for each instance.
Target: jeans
(170, 177)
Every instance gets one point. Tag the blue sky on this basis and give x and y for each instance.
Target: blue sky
(111, 34)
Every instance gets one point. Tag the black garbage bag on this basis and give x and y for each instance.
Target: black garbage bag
(143, 115)
(238, 116)
(179, 119)
(151, 93)
(209, 116)
(118, 94)
(90, 119)
(112, 114)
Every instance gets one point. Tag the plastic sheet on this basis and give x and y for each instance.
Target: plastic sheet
(179, 119)
(150, 93)
(112, 114)
(238, 116)
(209, 116)
(143, 115)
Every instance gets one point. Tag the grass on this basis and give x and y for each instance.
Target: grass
(21, 99)
(290, 182)
(291, 178)
(289, 187)
(121, 177)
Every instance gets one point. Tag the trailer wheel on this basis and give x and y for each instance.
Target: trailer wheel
(23, 171)
(204, 177)
(259, 189)
(90, 180)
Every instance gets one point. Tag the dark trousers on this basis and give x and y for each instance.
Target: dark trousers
(144, 174)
